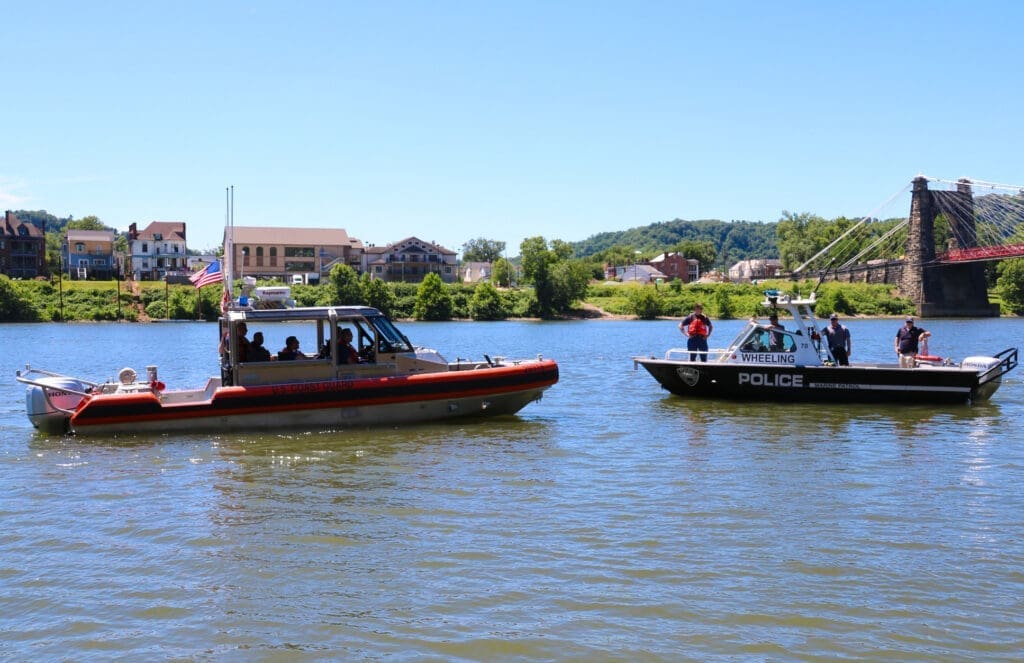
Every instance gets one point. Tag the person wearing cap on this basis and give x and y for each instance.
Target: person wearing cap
(839, 343)
(696, 327)
(906, 342)
(774, 338)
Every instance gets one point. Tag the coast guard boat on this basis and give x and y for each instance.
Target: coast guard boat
(765, 363)
(394, 382)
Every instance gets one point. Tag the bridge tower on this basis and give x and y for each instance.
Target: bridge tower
(943, 289)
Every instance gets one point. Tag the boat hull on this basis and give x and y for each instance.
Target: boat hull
(330, 404)
(842, 384)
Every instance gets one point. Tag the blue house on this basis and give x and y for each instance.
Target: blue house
(89, 254)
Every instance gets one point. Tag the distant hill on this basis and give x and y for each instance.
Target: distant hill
(734, 240)
(40, 217)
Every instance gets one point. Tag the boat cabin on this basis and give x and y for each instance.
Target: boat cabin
(381, 348)
(796, 342)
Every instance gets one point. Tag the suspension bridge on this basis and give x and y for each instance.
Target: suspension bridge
(936, 254)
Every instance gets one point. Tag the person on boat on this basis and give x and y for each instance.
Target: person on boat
(256, 350)
(906, 342)
(839, 343)
(243, 343)
(774, 338)
(696, 327)
(346, 353)
(290, 351)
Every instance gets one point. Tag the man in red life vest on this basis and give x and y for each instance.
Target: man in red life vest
(696, 327)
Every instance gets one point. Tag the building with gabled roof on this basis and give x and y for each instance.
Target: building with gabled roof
(755, 269)
(89, 254)
(639, 273)
(158, 251)
(409, 260)
(275, 252)
(675, 265)
(22, 248)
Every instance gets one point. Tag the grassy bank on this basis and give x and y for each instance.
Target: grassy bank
(40, 301)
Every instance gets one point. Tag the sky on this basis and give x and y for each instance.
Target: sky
(456, 120)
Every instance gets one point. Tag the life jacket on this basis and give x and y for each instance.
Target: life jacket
(697, 328)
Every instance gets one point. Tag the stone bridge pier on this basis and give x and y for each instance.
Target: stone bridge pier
(943, 289)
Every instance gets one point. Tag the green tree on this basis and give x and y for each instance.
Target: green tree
(482, 250)
(486, 304)
(345, 286)
(723, 302)
(87, 223)
(502, 273)
(14, 308)
(377, 294)
(618, 256)
(537, 260)
(433, 301)
(569, 280)
(1010, 285)
(645, 302)
(703, 252)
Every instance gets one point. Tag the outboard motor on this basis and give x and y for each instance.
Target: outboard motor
(986, 387)
(51, 401)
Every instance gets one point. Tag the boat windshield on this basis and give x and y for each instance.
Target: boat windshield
(391, 340)
(767, 339)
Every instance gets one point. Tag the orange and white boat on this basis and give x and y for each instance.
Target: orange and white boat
(393, 383)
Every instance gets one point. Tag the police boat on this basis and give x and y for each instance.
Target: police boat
(793, 364)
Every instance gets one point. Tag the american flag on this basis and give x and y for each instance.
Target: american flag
(210, 274)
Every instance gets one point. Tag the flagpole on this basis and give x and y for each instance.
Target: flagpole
(229, 249)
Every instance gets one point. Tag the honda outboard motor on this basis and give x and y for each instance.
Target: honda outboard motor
(50, 402)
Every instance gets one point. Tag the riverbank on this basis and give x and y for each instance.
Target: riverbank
(43, 301)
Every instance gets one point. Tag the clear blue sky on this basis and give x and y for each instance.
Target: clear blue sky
(456, 120)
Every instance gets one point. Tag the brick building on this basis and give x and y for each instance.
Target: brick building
(22, 248)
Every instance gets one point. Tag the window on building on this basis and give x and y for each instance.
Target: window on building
(246, 252)
(145, 247)
(259, 256)
(273, 256)
(299, 252)
(79, 247)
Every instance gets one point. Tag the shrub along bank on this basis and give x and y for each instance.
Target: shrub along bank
(42, 301)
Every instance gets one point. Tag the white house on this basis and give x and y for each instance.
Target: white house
(158, 251)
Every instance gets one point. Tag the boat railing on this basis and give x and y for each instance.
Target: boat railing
(46, 388)
(682, 354)
(1007, 362)
(24, 378)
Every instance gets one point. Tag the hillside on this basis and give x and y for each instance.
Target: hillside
(735, 240)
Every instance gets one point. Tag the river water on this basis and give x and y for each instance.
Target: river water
(610, 521)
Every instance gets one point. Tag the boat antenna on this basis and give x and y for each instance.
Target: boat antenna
(822, 275)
